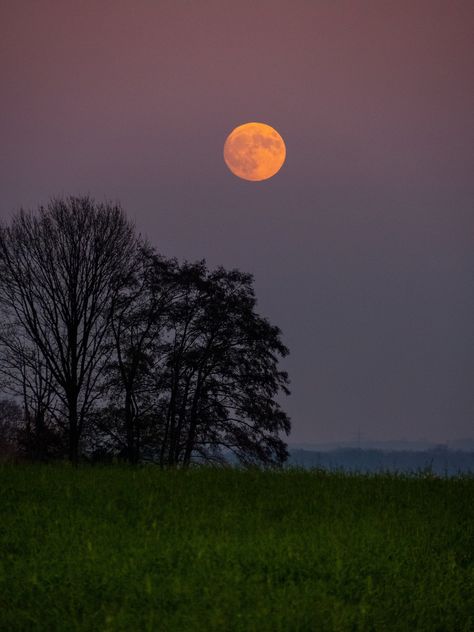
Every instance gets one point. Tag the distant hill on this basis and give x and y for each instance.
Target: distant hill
(463, 444)
(440, 460)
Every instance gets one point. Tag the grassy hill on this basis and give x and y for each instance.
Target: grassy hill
(112, 548)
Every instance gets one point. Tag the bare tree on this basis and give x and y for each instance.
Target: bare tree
(61, 271)
(207, 385)
(223, 374)
(28, 379)
(139, 323)
(195, 375)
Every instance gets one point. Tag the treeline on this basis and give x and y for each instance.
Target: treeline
(437, 461)
(108, 349)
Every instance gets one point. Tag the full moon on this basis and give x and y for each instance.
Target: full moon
(254, 151)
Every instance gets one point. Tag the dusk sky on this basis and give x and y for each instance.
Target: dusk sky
(361, 246)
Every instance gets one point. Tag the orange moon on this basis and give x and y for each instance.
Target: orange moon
(254, 151)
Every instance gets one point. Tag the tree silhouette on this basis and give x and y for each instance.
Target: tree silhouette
(115, 350)
(139, 323)
(27, 378)
(222, 371)
(61, 271)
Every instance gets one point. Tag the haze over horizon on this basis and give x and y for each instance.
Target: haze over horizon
(361, 246)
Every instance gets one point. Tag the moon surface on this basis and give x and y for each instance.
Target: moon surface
(254, 151)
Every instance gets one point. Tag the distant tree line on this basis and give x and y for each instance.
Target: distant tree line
(108, 349)
(438, 461)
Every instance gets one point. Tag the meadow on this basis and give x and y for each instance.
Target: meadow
(107, 548)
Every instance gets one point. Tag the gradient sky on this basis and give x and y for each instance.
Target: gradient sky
(362, 245)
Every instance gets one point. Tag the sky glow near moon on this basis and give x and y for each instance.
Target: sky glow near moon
(254, 151)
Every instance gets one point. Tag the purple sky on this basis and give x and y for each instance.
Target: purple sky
(361, 247)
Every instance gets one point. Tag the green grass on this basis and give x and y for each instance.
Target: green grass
(112, 548)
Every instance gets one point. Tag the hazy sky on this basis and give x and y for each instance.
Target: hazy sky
(361, 247)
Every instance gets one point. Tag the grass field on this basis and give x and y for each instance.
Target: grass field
(112, 548)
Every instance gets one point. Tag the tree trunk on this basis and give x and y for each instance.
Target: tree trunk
(192, 424)
(73, 430)
(132, 451)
